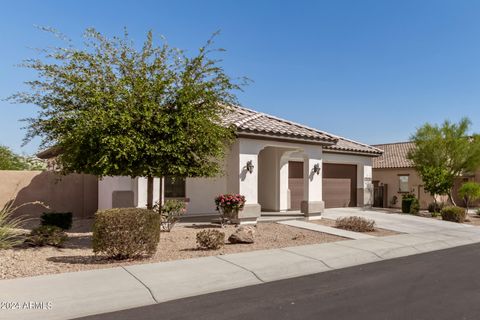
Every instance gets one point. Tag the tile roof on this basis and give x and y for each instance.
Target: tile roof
(250, 121)
(394, 155)
(347, 145)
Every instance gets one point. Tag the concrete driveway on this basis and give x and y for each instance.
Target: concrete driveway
(404, 223)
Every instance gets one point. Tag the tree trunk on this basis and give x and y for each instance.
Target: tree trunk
(435, 204)
(450, 197)
(150, 192)
(161, 195)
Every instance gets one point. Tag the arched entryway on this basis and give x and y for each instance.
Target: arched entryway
(280, 179)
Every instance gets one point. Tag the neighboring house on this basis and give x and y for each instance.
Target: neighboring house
(394, 176)
(278, 165)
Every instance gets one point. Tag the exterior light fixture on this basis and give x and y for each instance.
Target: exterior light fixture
(250, 166)
(316, 168)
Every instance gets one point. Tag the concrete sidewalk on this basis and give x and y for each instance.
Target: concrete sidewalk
(97, 291)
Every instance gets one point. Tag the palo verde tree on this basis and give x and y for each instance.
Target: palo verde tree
(113, 109)
(442, 153)
(470, 192)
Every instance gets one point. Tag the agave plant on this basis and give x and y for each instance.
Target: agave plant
(9, 225)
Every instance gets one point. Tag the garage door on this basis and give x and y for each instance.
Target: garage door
(339, 185)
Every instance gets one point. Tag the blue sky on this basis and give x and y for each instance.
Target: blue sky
(372, 71)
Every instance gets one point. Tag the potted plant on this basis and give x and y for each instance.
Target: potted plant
(229, 205)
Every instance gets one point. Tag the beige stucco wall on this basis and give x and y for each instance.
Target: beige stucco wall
(76, 193)
(390, 178)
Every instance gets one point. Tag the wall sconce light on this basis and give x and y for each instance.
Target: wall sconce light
(316, 168)
(250, 166)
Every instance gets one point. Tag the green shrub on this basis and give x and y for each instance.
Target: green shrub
(469, 191)
(124, 233)
(477, 212)
(210, 239)
(435, 207)
(436, 214)
(47, 235)
(356, 224)
(172, 211)
(60, 219)
(455, 214)
(407, 200)
(415, 207)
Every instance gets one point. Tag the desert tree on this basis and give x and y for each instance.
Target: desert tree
(444, 152)
(114, 109)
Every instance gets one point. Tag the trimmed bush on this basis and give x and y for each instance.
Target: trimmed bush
(454, 214)
(59, 219)
(210, 239)
(124, 233)
(356, 224)
(47, 235)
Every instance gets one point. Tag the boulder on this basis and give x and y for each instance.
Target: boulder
(243, 234)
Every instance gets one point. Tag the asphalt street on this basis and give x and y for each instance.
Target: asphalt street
(438, 285)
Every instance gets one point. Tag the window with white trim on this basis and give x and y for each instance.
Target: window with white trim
(403, 183)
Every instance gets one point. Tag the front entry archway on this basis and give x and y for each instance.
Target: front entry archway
(273, 179)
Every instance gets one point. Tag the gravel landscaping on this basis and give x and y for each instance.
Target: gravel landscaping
(180, 243)
(377, 233)
(473, 219)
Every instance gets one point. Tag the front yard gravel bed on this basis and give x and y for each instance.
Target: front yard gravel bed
(180, 243)
(377, 233)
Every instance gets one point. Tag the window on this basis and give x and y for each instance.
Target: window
(174, 187)
(403, 183)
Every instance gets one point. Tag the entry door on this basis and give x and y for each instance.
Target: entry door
(295, 184)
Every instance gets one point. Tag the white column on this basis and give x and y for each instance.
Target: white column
(312, 204)
(283, 181)
(248, 150)
(367, 186)
(248, 181)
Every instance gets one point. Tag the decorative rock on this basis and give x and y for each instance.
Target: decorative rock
(243, 234)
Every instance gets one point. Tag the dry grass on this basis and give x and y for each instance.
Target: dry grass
(180, 243)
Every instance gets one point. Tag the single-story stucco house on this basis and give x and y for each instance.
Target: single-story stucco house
(278, 165)
(395, 175)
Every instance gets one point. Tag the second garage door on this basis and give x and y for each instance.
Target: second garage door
(339, 185)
